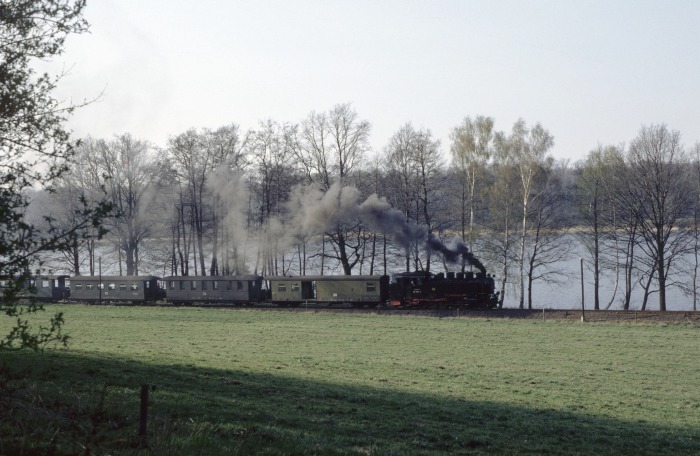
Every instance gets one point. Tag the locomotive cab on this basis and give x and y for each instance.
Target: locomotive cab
(405, 286)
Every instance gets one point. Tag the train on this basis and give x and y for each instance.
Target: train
(466, 290)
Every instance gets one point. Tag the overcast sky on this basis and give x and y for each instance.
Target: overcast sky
(589, 71)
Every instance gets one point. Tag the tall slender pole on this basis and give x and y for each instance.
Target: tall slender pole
(99, 285)
(143, 421)
(583, 301)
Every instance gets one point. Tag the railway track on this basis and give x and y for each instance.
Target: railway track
(590, 316)
(631, 316)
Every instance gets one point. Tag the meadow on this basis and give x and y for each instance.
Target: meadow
(238, 381)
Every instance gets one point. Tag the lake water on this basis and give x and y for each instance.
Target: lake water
(568, 295)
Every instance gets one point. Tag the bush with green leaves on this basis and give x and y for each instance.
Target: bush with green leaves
(35, 151)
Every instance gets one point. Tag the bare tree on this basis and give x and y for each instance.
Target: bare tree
(625, 223)
(549, 243)
(130, 167)
(415, 183)
(331, 148)
(373, 181)
(194, 157)
(271, 148)
(430, 180)
(665, 192)
(471, 151)
(529, 148)
(595, 183)
(502, 198)
(83, 181)
(229, 163)
(402, 176)
(696, 227)
(177, 161)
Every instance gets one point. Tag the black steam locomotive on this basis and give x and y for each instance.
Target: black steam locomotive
(460, 290)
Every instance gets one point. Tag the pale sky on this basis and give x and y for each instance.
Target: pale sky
(589, 71)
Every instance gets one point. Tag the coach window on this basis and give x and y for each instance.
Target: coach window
(371, 286)
(172, 284)
(78, 286)
(45, 283)
(214, 284)
(229, 285)
(194, 284)
(182, 284)
(239, 285)
(282, 287)
(112, 286)
(122, 287)
(295, 286)
(88, 286)
(134, 286)
(204, 284)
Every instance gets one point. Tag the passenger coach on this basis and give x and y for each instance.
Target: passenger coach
(115, 288)
(48, 288)
(361, 290)
(213, 289)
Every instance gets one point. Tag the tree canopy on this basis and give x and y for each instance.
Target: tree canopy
(35, 150)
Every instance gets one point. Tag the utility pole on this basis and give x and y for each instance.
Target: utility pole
(99, 285)
(583, 301)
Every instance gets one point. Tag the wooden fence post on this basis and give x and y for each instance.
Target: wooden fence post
(143, 443)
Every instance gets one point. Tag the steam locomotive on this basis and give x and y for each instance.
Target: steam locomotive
(468, 290)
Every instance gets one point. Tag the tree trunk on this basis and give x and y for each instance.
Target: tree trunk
(629, 262)
(347, 269)
(645, 301)
(697, 262)
(75, 254)
(136, 259)
(129, 262)
(472, 191)
(523, 233)
(661, 268)
(596, 257)
(617, 274)
(384, 252)
(374, 253)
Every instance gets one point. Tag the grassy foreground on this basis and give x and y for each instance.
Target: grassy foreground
(255, 382)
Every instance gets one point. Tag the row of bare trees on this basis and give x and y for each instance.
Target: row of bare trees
(285, 199)
(639, 209)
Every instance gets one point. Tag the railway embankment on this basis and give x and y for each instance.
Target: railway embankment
(589, 316)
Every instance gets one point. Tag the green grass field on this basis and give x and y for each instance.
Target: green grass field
(256, 382)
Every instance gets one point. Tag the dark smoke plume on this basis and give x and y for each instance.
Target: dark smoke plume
(454, 251)
(316, 211)
(377, 213)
